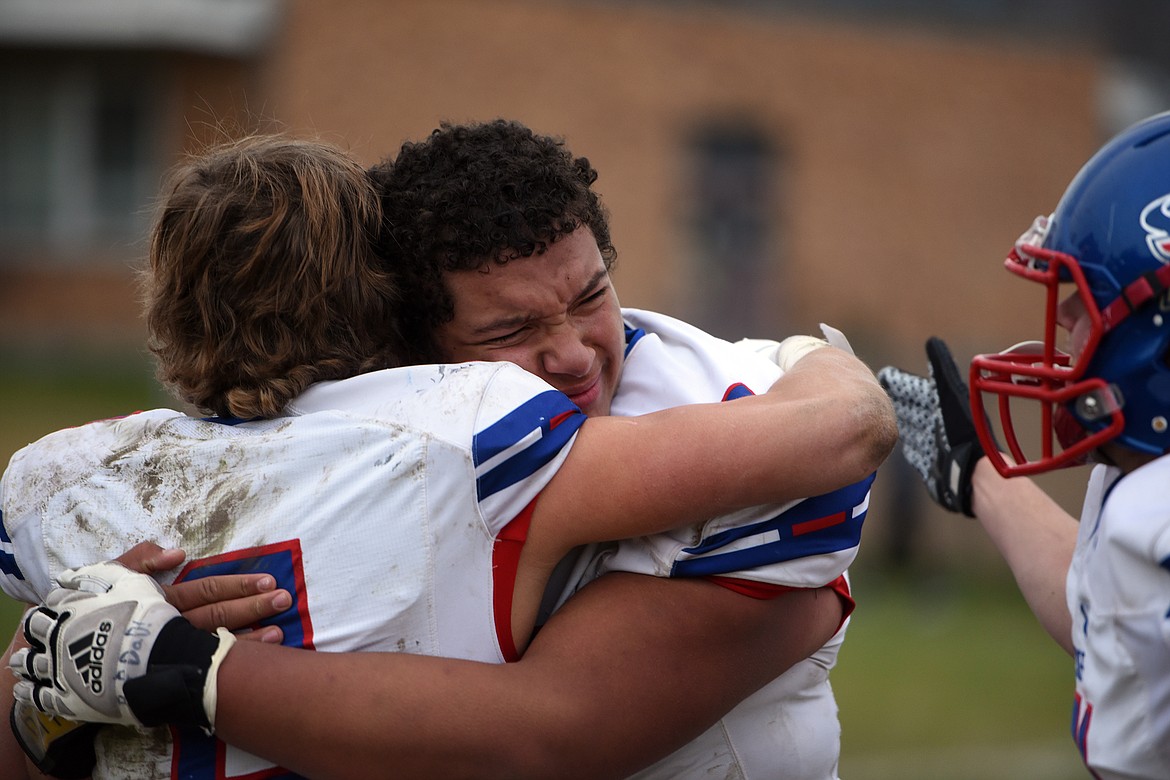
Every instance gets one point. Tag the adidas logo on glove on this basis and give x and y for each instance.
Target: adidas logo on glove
(88, 654)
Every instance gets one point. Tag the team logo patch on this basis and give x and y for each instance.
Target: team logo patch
(1156, 222)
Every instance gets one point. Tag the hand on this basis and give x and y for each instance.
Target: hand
(233, 601)
(106, 647)
(792, 349)
(936, 428)
(64, 749)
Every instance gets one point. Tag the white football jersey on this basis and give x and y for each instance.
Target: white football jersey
(1119, 599)
(789, 729)
(377, 501)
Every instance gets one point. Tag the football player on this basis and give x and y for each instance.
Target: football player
(1100, 587)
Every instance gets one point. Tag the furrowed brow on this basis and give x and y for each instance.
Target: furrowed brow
(591, 286)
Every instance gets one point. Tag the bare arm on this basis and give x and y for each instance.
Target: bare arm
(829, 402)
(596, 695)
(825, 424)
(1036, 538)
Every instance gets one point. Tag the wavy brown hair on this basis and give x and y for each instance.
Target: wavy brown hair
(261, 277)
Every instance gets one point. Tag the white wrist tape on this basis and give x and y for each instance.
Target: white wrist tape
(211, 689)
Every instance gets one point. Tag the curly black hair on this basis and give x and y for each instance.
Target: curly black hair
(474, 194)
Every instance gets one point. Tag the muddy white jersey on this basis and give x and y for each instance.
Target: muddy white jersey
(1119, 599)
(377, 501)
(788, 729)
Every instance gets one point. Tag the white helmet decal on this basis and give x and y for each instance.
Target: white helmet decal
(1157, 236)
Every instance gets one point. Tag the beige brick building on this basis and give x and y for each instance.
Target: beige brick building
(888, 167)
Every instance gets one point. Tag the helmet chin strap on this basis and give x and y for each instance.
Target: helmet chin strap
(1135, 295)
(1069, 432)
(1102, 456)
(1121, 457)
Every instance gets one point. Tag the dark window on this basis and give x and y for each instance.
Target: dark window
(78, 154)
(733, 230)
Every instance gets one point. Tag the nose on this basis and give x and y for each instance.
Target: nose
(565, 352)
(1069, 311)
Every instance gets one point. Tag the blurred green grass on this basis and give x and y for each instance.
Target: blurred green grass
(945, 674)
(951, 677)
(55, 387)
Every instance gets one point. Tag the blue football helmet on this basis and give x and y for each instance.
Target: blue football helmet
(1110, 237)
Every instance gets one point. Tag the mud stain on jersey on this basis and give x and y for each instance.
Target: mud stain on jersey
(198, 500)
(124, 752)
(178, 482)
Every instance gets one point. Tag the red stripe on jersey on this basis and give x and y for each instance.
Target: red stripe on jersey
(808, 526)
(505, 562)
(560, 418)
(767, 590)
(752, 589)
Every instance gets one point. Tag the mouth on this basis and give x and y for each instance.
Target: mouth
(585, 397)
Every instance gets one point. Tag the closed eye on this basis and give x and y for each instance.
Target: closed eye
(596, 297)
(507, 338)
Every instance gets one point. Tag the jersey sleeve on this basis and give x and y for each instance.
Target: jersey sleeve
(25, 571)
(44, 515)
(523, 433)
(511, 429)
(806, 543)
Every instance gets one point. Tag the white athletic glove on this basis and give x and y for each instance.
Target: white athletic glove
(935, 426)
(786, 353)
(106, 647)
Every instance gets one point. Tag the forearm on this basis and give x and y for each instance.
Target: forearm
(675, 656)
(824, 425)
(1036, 538)
(598, 693)
(327, 715)
(857, 423)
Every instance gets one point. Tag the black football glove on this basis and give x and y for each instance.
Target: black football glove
(935, 426)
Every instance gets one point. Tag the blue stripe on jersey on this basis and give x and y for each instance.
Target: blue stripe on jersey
(7, 556)
(528, 437)
(229, 420)
(738, 390)
(1165, 564)
(632, 337)
(818, 525)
